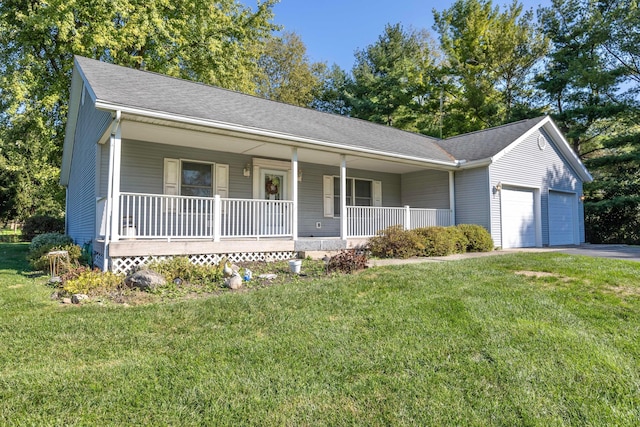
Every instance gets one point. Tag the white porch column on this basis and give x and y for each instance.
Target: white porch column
(452, 197)
(294, 191)
(116, 157)
(343, 197)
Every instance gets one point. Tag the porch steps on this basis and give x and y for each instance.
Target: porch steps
(319, 244)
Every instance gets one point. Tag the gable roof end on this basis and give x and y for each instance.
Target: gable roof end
(489, 145)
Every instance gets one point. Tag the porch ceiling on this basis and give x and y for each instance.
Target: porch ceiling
(186, 135)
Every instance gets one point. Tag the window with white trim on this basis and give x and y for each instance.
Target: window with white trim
(360, 192)
(194, 178)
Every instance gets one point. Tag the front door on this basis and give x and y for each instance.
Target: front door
(273, 184)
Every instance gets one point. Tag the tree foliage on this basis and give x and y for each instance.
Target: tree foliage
(212, 42)
(285, 73)
(392, 80)
(490, 58)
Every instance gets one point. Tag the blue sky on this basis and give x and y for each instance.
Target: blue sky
(333, 30)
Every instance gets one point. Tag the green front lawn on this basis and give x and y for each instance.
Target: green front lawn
(527, 339)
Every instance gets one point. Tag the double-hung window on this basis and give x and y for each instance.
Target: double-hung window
(360, 192)
(196, 179)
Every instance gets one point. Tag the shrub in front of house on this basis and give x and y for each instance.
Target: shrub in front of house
(348, 261)
(182, 269)
(91, 282)
(395, 242)
(478, 238)
(41, 224)
(441, 241)
(42, 244)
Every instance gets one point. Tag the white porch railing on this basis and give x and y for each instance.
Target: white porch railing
(366, 221)
(155, 216)
(256, 218)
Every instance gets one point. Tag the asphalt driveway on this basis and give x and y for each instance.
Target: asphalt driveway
(631, 253)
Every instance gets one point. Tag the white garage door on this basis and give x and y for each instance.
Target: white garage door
(518, 219)
(562, 218)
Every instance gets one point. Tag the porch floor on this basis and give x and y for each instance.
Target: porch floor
(162, 247)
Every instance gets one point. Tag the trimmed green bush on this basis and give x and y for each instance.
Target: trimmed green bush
(441, 241)
(42, 244)
(395, 242)
(41, 224)
(478, 238)
(48, 240)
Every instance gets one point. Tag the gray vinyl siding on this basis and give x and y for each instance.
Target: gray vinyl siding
(81, 192)
(103, 180)
(310, 200)
(472, 194)
(581, 230)
(143, 164)
(426, 189)
(529, 166)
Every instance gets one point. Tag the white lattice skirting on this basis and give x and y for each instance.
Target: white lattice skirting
(98, 259)
(125, 265)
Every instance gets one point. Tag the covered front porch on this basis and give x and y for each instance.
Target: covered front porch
(267, 197)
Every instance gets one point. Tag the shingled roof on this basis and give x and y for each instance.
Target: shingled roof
(146, 91)
(143, 93)
(487, 143)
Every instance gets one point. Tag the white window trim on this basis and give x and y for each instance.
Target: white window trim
(329, 195)
(172, 184)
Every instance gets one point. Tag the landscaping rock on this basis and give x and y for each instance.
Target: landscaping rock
(145, 280)
(78, 298)
(66, 300)
(227, 271)
(233, 282)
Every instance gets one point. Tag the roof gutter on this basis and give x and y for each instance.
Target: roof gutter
(339, 148)
(464, 164)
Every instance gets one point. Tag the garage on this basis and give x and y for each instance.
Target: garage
(518, 218)
(562, 218)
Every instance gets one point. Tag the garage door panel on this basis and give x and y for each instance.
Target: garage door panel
(518, 218)
(562, 218)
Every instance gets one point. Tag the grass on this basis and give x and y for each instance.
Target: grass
(526, 339)
(10, 236)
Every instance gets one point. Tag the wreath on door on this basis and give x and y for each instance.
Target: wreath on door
(272, 185)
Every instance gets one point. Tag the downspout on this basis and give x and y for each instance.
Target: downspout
(108, 232)
(66, 210)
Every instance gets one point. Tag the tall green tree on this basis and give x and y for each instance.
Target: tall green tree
(212, 42)
(582, 85)
(285, 73)
(331, 96)
(490, 58)
(391, 81)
